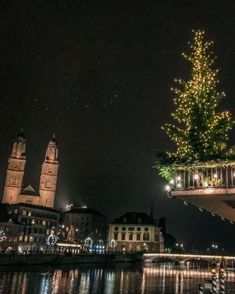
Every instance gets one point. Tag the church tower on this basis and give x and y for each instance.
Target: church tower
(49, 175)
(15, 170)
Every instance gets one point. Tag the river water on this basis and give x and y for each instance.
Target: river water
(151, 278)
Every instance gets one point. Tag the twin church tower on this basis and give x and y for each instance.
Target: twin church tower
(14, 192)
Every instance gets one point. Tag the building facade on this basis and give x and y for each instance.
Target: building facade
(135, 231)
(88, 223)
(27, 225)
(14, 192)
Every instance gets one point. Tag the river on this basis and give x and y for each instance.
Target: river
(150, 278)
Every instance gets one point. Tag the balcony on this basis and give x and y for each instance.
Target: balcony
(210, 187)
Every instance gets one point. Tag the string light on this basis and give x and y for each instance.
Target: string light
(201, 133)
(52, 240)
(3, 236)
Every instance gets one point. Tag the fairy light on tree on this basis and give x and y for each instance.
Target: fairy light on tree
(3, 236)
(52, 240)
(200, 132)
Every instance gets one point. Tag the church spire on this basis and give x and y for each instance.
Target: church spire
(52, 150)
(49, 174)
(19, 146)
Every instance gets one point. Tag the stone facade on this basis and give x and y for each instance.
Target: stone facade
(88, 222)
(135, 232)
(13, 189)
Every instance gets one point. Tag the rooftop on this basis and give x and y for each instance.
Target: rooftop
(84, 210)
(135, 218)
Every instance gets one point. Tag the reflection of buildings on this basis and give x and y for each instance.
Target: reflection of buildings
(88, 223)
(14, 191)
(135, 231)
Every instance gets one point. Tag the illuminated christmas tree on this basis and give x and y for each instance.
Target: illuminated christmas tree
(200, 132)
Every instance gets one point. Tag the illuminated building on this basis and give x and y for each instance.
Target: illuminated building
(88, 222)
(135, 231)
(33, 223)
(14, 192)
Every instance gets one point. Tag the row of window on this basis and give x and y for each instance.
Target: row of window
(131, 229)
(38, 222)
(130, 236)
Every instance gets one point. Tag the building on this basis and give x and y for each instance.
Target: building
(135, 231)
(14, 192)
(88, 223)
(28, 225)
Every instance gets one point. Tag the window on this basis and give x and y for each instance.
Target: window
(123, 228)
(131, 236)
(48, 185)
(31, 239)
(123, 236)
(29, 213)
(146, 229)
(146, 237)
(23, 212)
(44, 222)
(15, 211)
(115, 236)
(138, 235)
(20, 238)
(131, 228)
(138, 229)
(26, 238)
(116, 228)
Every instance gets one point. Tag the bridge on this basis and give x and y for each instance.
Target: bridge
(183, 258)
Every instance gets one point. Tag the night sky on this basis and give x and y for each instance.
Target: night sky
(98, 75)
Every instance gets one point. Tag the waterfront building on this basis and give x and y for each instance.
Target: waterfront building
(14, 192)
(89, 224)
(135, 231)
(28, 225)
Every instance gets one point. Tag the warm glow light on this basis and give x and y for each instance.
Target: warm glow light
(167, 188)
(178, 178)
(215, 176)
(196, 177)
(172, 182)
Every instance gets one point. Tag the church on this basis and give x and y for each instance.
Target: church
(14, 192)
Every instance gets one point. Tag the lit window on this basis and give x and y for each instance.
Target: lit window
(31, 239)
(146, 237)
(131, 237)
(29, 213)
(123, 236)
(20, 238)
(138, 235)
(44, 222)
(23, 212)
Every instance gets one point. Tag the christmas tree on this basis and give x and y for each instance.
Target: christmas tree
(200, 132)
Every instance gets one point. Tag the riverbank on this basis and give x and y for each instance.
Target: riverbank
(66, 259)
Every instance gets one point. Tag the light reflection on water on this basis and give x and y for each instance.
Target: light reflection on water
(122, 279)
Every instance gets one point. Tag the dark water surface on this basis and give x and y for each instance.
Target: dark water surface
(152, 278)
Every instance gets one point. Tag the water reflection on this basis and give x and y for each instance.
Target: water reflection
(164, 279)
